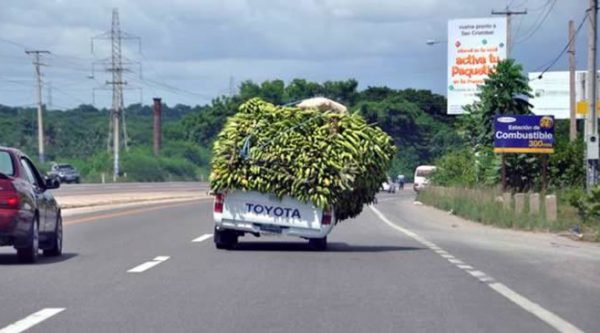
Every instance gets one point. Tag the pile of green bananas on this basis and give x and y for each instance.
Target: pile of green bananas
(331, 159)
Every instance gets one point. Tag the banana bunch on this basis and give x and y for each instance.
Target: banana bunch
(331, 159)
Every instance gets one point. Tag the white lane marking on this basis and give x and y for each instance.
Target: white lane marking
(546, 316)
(202, 238)
(147, 265)
(31, 320)
(456, 261)
(481, 276)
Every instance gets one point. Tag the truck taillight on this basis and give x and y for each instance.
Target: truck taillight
(219, 198)
(326, 220)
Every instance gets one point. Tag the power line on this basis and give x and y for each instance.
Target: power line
(549, 65)
(537, 26)
(4, 40)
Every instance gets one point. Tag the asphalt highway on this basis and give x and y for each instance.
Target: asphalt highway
(398, 267)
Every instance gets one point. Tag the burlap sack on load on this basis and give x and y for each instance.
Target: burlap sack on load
(323, 104)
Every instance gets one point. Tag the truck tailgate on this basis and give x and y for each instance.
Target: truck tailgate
(259, 208)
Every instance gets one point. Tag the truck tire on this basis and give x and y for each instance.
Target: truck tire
(318, 244)
(225, 239)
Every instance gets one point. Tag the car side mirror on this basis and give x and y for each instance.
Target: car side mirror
(51, 183)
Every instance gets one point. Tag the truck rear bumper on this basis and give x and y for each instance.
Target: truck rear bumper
(257, 228)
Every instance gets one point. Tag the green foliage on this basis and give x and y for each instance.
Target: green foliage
(140, 165)
(497, 96)
(566, 168)
(456, 168)
(415, 119)
(588, 205)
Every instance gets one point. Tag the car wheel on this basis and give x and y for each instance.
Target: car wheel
(225, 239)
(318, 244)
(29, 254)
(57, 240)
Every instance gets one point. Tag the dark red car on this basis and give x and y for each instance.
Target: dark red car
(30, 218)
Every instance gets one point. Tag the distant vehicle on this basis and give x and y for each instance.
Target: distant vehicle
(400, 179)
(30, 218)
(66, 173)
(388, 186)
(237, 213)
(422, 176)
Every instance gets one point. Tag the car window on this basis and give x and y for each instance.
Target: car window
(28, 173)
(424, 173)
(6, 165)
(32, 174)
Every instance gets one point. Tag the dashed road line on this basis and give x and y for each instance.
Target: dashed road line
(147, 265)
(31, 320)
(537, 310)
(202, 238)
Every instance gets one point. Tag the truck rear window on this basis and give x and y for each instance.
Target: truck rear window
(6, 165)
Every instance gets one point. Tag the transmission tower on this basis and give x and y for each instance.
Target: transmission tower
(116, 65)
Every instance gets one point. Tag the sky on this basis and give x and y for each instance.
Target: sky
(191, 51)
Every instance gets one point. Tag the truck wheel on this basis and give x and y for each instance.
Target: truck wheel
(29, 254)
(318, 244)
(225, 239)
(57, 240)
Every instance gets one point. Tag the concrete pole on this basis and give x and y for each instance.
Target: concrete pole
(156, 115)
(573, 124)
(40, 110)
(591, 135)
(38, 76)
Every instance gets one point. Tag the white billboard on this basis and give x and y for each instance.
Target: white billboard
(551, 93)
(474, 48)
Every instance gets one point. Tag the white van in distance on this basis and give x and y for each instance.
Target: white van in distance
(237, 213)
(422, 175)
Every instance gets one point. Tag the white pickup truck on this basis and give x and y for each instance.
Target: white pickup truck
(239, 212)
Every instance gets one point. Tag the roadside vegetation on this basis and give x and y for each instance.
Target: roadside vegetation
(468, 179)
(415, 119)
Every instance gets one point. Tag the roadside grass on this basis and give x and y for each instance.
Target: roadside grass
(483, 205)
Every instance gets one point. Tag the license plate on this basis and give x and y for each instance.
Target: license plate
(273, 229)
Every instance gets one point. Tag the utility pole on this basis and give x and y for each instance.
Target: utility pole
(508, 13)
(37, 63)
(115, 66)
(156, 117)
(573, 124)
(591, 126)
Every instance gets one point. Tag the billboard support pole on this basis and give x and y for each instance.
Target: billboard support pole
(544, 173)
(504, 180)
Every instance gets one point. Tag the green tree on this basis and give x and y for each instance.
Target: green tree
(504, 92)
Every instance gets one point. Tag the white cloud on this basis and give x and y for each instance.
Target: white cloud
(198, 45)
